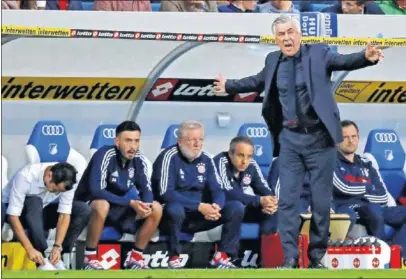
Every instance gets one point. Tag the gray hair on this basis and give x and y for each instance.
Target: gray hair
(237, 140)
(284, 19)
(188, 125)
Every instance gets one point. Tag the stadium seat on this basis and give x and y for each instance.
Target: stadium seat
(4, 170)
(87, 5)
(155, 6)
(104, 135)
(317, 7)
(49, 143)
(383, 148)
(171, 136)
(261, 137)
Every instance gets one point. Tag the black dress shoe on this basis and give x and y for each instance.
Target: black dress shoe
(290, 263)
(317, 265)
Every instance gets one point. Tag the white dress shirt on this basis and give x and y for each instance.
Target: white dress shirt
(29, 181)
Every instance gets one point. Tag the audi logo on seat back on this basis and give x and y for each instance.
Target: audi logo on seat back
(53, 130)
(386, 137)
(109, 133)
(257, 132)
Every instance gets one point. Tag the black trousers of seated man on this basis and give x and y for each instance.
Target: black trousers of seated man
(37, 220)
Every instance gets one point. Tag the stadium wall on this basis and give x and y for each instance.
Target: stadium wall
(86, 60)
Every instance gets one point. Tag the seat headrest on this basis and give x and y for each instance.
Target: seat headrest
(171, 136)
(50, 140)
(386, 148)
(104, 135)
(261, 137)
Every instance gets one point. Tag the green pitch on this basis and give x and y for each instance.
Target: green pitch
(210, 273)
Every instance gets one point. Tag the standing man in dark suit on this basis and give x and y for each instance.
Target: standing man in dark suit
(300, 111)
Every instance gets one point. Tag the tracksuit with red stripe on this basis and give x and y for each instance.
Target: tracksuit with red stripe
(351, 181)
(182, 185)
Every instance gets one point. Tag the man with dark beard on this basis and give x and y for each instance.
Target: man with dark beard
(185, 179)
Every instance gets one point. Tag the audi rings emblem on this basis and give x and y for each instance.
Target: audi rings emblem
(257, 132)
(109, 133)
(53, 130)
(386, 137)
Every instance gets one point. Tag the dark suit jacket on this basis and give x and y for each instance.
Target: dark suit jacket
(318, 64)
(370, 8)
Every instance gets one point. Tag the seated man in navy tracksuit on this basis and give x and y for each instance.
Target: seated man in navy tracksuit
(243, 181)
(355, 175)
(354, 179)
(117, 186)
(394, 216)
(187, 182)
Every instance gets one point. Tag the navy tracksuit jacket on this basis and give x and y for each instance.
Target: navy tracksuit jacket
(247, 189)
(182, 185)
(356, 184)
(107, 178)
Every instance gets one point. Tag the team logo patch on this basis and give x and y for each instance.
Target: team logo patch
(246, 180)
(131, 172)
(201, 168)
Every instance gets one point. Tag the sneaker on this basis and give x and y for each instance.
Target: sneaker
(60, 265)
(93, 265)
(221, 261)
(174, 262)
(46, 266)
(136, 264)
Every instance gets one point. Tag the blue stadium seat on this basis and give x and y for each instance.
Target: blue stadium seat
(171, 136)
(155, 6)
(87, 5)
(49, 143)
(261, 137)
(249, 231)
(104, 135)
(110, 234)
(317, 7)
(385, 148)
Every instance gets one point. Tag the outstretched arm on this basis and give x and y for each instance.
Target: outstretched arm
(353, 61)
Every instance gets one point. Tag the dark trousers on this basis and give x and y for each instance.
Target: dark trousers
(368, 214)
(177, 218)
(268, 223)
(36, 220)
(299, 153)
(395, 216)
(122, 218)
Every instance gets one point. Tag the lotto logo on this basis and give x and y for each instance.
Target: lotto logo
(109, 255)
(162, 89)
